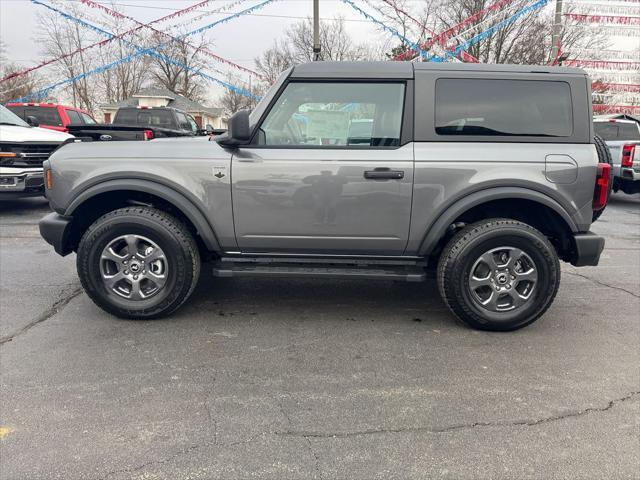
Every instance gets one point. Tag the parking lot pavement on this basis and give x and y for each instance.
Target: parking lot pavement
(316, 379)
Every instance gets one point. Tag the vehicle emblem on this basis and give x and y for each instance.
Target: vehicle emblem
(105, 138)
(219, 172)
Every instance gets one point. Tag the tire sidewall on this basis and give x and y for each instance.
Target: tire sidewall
(108, 229)
(546, 264)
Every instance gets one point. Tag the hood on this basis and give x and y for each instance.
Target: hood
(15, 133)
(161, 148)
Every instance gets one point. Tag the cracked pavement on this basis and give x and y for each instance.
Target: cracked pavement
(290, 379)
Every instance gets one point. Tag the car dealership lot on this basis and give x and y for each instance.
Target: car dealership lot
(316, 379)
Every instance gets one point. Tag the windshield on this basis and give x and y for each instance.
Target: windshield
(9, 118)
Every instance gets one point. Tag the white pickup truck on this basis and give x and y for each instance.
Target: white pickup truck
(623, 139)
(23, 149)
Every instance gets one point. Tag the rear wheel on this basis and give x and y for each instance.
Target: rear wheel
(498, 274)
(138, 262)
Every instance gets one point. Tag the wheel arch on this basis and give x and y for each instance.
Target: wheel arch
(106, 196)
(528, 206)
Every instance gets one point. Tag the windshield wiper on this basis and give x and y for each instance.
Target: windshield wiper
(13, 124)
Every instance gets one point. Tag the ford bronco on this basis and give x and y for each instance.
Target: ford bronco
(486, 175)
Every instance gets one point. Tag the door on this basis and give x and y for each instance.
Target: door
(328, 172)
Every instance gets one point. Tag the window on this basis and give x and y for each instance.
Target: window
(45, 115)
(145, 118)
(183, 123)
(335, 114)
(193, 123)
(19, 111)
(87, 119)
(612, 131)
(74, 117)
(503, 108)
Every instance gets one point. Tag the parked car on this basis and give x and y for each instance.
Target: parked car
(143, 123)
(623, 139)
(51, 115)
(486, 174)
(23, 148)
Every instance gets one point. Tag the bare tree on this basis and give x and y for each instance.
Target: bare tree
(524, 41)
(18, 86)
(233, 101)
(125, 79)
(183, 81)
(59, 37)
(297, 47)
(335, 42)
(273, 61)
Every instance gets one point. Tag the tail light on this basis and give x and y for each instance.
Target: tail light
(600, 193)
(627, 155)
(147, 134)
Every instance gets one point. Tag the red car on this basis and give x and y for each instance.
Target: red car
(52, 115)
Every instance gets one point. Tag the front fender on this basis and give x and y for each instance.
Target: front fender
(178, 200)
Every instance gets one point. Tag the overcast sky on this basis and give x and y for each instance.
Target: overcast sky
(239, 40)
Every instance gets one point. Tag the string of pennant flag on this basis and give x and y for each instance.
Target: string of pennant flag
(179, 13)
(152, 52)
(199, 49)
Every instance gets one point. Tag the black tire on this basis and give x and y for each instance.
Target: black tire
(464, 250)
(604, 156)
(168, 233)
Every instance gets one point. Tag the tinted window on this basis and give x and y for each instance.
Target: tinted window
(87, 119)
(45, 115)
(612, 131)
(74, 117)
(19, 111)
(503, 108)
(145, 118)
(193, 123)
(335, 114)
(182, 121)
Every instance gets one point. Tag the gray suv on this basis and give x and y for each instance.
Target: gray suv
(485, 175)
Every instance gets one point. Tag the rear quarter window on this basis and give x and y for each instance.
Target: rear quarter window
(502, 108)
(45, 115)
(74, 117)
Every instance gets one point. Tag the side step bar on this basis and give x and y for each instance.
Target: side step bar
(314, 270)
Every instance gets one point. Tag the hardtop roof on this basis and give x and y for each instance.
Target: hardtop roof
(390, 69)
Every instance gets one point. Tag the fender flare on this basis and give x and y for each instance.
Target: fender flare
(439, 227)
(178, 200)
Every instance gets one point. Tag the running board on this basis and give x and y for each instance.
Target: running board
(313, 270)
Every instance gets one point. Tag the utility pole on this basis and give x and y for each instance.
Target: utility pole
(557, 29)
(316, 30)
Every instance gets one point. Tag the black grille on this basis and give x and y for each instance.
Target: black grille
(28, 155)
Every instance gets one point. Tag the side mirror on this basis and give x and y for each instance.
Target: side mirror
(209, 129)
(33, 121)
(239, 132)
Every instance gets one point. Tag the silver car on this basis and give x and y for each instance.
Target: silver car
(485, 175)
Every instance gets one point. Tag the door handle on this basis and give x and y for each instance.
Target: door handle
(383, 174)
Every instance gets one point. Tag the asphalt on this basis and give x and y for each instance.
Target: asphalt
(279, 379)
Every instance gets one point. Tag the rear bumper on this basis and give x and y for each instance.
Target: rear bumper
(588, 247)
(55, 229)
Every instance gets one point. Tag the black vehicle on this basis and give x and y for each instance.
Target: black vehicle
(142, 123)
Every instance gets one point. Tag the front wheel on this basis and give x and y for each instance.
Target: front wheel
(138, 262)
(498, 274)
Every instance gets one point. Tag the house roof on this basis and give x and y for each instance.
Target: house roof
(175, 101)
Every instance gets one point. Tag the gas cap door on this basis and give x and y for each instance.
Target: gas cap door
(560, 169)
